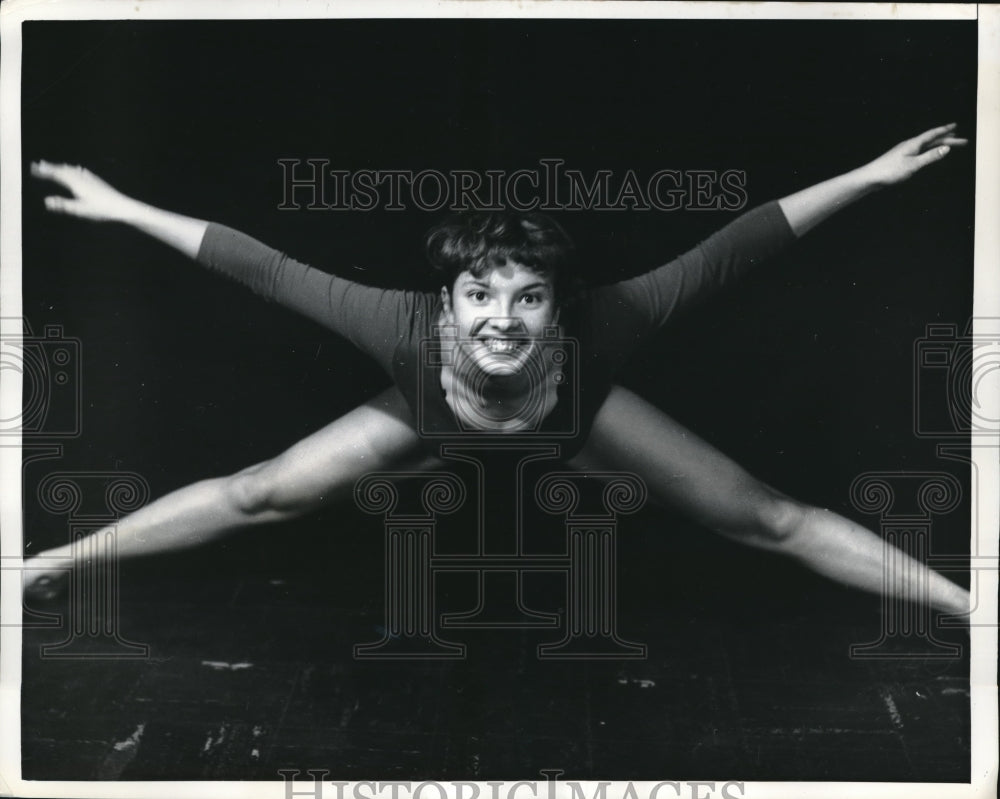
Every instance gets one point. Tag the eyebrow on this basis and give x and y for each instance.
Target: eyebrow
(472, 281)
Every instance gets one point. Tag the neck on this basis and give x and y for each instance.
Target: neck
(501, 387)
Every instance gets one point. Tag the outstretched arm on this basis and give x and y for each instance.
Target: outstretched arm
(370, 318)
(93, 199)
(807, 208)
(750, 239)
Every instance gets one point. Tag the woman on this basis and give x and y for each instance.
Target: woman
(503, 304)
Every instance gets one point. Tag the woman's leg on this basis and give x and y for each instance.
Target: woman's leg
(689, 474)
(323, 467)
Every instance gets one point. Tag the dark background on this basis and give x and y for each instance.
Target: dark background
(804, 374)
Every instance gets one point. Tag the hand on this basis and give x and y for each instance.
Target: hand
(909, 157)
(92, 198)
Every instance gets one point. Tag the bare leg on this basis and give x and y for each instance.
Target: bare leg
(687, 473)
(320, 468)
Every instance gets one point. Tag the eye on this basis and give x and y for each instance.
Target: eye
(531, 299)
(477, 296)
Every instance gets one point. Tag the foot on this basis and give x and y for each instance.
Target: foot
(47, 587)
(45, 579)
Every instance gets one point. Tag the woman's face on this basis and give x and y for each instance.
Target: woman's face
(500, 315)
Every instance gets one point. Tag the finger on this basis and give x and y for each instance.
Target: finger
(932, 155)
(43, 169)
(951, 141)
(60, 173)
(55, 204)
(928, 136)
(63, 205)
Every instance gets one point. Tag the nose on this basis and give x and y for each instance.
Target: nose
(507, 325)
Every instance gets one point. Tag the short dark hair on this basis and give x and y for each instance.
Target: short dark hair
(477, 241)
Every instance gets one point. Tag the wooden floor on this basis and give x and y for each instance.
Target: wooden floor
(251, 669)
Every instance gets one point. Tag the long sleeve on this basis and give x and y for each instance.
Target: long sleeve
(373, 319)
(623, 313)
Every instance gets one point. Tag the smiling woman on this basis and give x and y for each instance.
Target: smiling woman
(500, 378)
(490, 325)
(250, 415)
(505, 276)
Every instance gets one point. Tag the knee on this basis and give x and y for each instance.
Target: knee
(778, 519)
(763, 517)
(255, 492)
(248, 492)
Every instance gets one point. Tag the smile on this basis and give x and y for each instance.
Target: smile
(502, 345)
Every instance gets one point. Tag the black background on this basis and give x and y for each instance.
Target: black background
(803, 374)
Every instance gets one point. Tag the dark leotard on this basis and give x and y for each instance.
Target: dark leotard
(397, 328)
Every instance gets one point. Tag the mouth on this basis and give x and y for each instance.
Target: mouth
(503, 346)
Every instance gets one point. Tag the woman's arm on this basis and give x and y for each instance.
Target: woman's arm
(372, 319)
(95, 200)
(807, 208)
(750, 239)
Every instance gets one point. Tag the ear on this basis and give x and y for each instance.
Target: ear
(449, 314)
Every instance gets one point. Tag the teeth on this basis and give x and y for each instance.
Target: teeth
(501, 345)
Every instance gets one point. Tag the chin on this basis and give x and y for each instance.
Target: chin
(502, 363)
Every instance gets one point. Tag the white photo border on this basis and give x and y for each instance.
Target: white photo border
(986, 305)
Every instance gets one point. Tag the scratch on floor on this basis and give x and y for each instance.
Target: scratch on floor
(891, 707)
(256, 732)
(635, 681)
(817, 731)
(221, 665)
(345, 717)
(211, 742)
(123, 752)
(132, 740)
